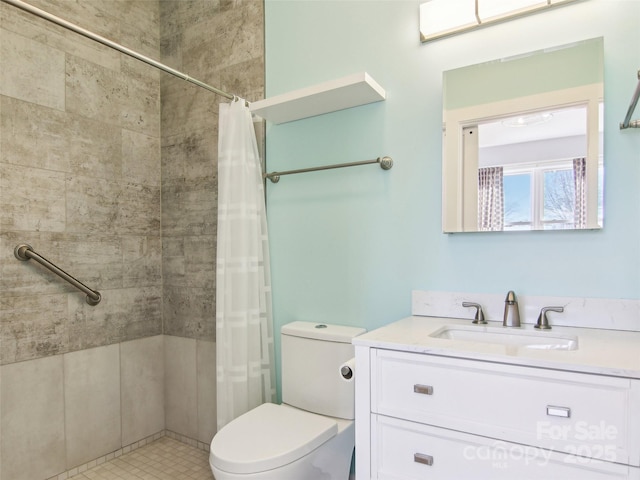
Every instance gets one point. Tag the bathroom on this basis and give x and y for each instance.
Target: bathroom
(134, 216)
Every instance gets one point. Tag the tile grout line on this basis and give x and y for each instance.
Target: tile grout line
(197, 445)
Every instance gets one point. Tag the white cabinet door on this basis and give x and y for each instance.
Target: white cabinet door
(403, 450)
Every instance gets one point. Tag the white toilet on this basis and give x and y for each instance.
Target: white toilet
(310, 436)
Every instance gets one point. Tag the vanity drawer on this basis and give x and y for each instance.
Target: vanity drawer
(404, 450)
(587, 415)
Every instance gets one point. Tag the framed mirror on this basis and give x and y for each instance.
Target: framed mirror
(522, 142)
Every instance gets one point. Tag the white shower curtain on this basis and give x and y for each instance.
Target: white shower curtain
(244, 324)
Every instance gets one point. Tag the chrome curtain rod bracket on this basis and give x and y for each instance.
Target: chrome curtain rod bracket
(25, 252)
(385, 163)
(628, 123)
(116, 46)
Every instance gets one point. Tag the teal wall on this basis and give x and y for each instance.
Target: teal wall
(348, 246)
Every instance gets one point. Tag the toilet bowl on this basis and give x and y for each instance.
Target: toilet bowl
(255, 447)
(311, 435)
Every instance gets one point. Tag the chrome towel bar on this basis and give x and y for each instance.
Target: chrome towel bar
(385, 163)
(25, 252)
(628, 123)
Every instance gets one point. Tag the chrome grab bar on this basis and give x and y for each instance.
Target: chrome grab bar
(25, 252)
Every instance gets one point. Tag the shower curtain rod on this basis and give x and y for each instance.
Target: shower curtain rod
(105, 41)
(634, 101)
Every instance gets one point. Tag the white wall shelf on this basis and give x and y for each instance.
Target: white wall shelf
(352, 91)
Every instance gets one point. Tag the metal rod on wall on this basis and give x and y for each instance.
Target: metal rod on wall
(116, 46)
(628, 123)
(24, 252)
(385, 163)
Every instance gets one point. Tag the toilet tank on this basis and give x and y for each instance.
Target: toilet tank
(312, 354)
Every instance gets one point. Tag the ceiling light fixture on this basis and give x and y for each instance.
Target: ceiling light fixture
(527, 120)
(441, 18)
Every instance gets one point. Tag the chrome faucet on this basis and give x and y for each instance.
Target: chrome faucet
(543, 321)
(511, 312)
(479, 318)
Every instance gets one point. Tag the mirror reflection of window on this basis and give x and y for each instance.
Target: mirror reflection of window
(541, 157)
(517, 192)
(544, 197)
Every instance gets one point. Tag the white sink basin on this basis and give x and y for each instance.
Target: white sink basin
(507, 336)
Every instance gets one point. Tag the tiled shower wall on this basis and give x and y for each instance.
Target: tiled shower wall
(80, 182)
(220, 43)
(116, 184)
(80, 178)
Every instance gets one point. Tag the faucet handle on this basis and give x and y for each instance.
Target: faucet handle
(543, 321)
(479, 318)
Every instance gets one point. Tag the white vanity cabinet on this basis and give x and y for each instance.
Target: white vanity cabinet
(430, 416)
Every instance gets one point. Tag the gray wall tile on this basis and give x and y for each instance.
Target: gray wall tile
(207, 397)
(102, 19)
(94, 91)
(142, 381)
(186, 107)
(32, 419)
(139, 210)
(189, 208)
(92, 403)
(33, 136)
(237, 33)
(189, 312)
(139, 26)
(37, 72)
(140, 105)
(79, 176)
(181, 399)
(56, 37)
(190, 155)
(142, 261)
(189, 261)
(33, 327)
(103, 206)
(140, 155)
(32, 199)
(94, 148)
(124, 315)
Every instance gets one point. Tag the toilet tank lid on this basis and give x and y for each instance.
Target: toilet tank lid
(322, 331)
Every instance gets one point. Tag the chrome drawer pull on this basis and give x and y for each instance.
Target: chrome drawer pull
(423, 389)
(564, 412)
(422, 458)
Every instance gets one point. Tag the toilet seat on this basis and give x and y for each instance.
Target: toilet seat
(268, 437)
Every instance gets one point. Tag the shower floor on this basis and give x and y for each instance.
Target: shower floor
(162, 459)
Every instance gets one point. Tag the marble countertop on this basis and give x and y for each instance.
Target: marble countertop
(602, 352)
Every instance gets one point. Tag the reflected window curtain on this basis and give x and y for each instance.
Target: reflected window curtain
(580, 185)
(244, 324)
(490, 199)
